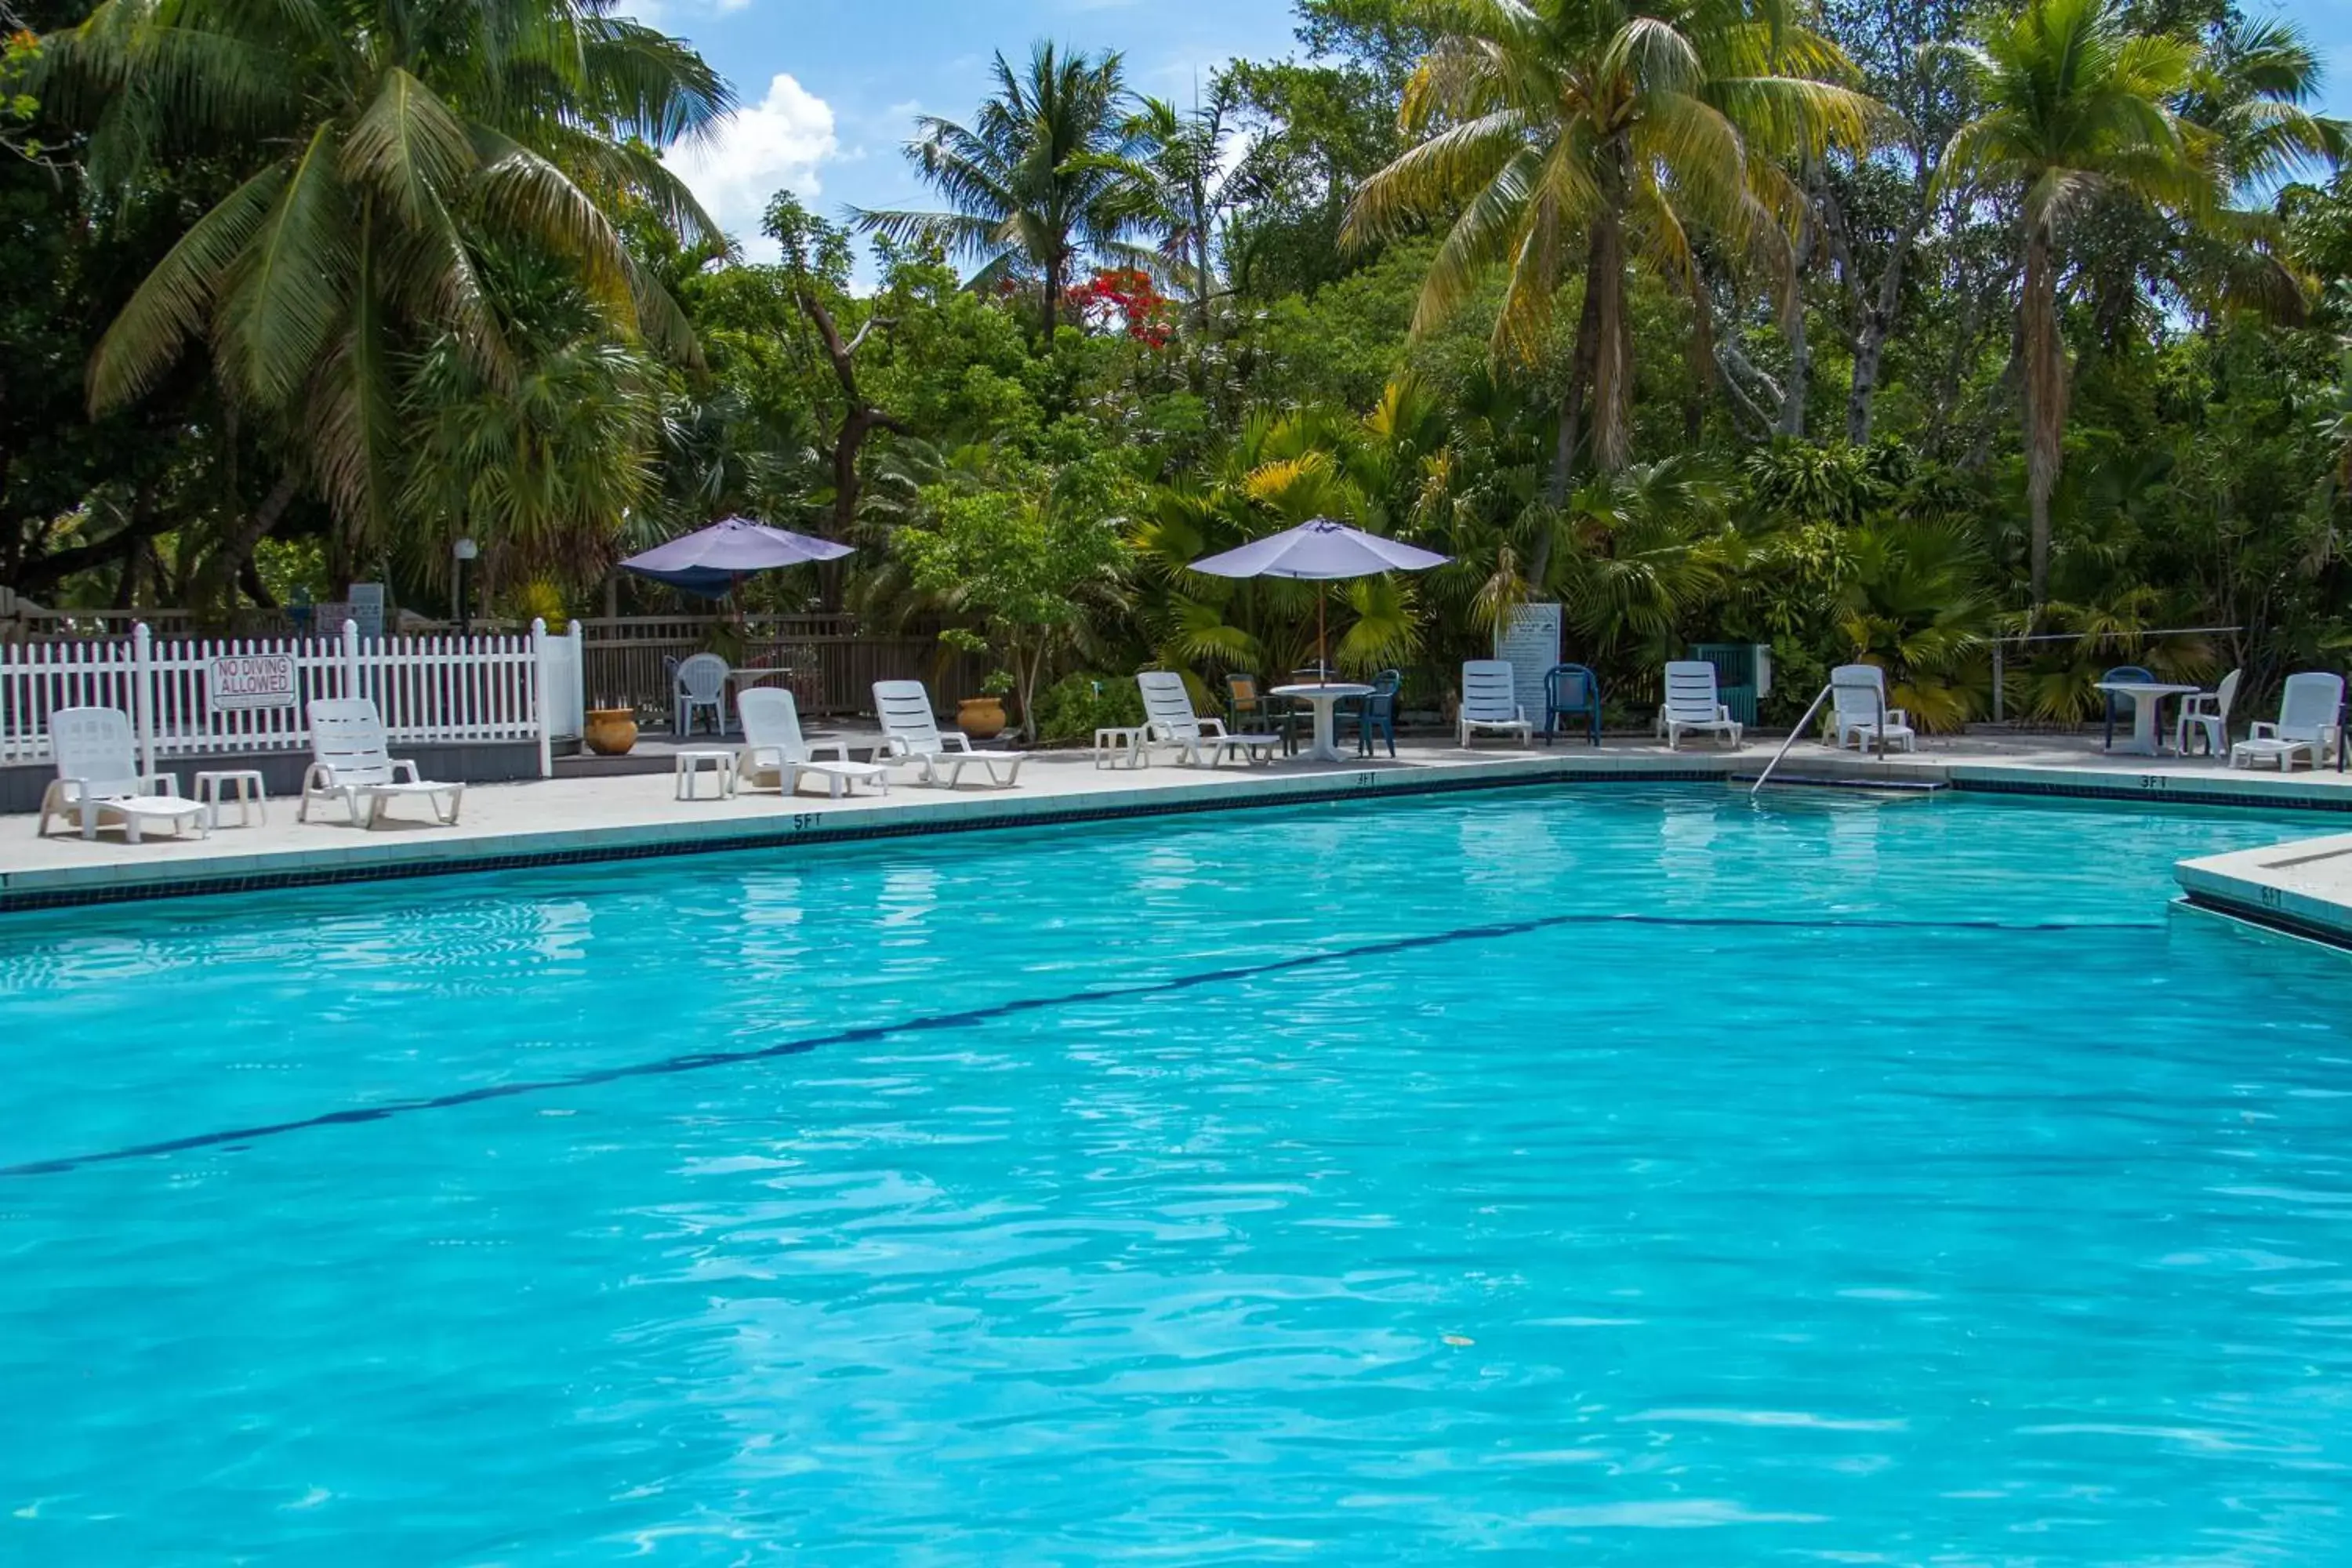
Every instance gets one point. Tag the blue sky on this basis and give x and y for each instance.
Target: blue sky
(829, 88)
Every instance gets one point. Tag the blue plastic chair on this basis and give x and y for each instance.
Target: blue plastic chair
(1572, 692)
(1376, 713)
(2120, 672)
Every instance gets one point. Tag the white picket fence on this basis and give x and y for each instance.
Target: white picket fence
(430, 689)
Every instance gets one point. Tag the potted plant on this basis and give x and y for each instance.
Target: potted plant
(611, 730)
(983, 716)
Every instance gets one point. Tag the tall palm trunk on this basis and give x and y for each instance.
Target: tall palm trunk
(2044, 355)
(1612, 359)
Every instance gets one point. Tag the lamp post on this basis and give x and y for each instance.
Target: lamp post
(464, 550)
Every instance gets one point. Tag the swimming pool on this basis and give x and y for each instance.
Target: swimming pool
(1591, 1175)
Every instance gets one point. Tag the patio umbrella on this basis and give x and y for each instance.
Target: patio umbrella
(710, 560)
(1319, 551)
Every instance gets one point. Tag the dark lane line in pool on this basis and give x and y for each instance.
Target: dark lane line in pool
(694, 1061)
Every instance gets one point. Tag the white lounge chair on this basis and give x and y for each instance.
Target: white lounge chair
(1859, 712)
(1490, 701)
(913, 736)
(99, 777)
(1169, 720)
(348, 761)
(773, 743)
(2310, 710)
(698, 681)
(2206, 713)
(1693, 703)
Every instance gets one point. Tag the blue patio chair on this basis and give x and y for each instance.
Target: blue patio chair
(1376, 713)
(2120, 672)
(1572, 692)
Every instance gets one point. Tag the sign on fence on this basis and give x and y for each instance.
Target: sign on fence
(1529, 641)
(243, 681)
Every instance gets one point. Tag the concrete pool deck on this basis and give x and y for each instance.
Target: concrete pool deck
(580, 819)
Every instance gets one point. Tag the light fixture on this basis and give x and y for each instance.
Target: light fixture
(464, 550)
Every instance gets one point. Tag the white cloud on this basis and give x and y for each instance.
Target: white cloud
(758, 150)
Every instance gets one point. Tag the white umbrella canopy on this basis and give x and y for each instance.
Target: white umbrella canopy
(1319, 551)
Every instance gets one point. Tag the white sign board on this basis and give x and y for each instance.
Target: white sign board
(367, 608)
(241, 681)
(1529, 641)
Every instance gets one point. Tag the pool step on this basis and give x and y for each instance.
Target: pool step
(1832, 780)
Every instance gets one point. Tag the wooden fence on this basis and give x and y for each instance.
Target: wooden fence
(829, 667)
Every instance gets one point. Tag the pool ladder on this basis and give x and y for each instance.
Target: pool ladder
(1878, 730)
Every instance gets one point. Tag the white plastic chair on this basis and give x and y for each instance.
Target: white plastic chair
(913, 736)
(2206, 713)
(99, 777)
(1169, 720)
(1693, 702)
(2309, 713)
(1858, 712)
(1490, 701)
(699, 682)
(773, 743)
(348, 762)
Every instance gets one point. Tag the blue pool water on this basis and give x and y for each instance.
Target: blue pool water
(1586, 1175)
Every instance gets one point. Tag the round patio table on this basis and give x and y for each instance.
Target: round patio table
(2147, 699)
(1325, 695)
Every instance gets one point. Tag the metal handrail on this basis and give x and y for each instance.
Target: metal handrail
(1878, 730)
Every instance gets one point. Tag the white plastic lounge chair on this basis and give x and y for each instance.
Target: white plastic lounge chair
(2206, 713)
(348, 762)
(1859, 712)
(913, 736)
(699, 682)
(99, 777)
(2309, 712)
(773, 743)
(1490, 701)
(1169, 720)
(1693, 703)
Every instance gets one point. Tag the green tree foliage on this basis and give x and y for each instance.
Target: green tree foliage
(1613, 301)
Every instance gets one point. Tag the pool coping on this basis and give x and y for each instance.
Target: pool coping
(66, 886)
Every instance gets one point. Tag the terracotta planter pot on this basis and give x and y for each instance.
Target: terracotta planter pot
(612, 732)
(982, 717)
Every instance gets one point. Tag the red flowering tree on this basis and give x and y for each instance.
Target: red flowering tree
(1125, 298)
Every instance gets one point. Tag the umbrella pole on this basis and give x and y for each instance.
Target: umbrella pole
(1322, 660)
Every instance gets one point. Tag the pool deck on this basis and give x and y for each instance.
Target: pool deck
(580, 819)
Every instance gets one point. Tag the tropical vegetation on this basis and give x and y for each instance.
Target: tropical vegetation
(1855, 329)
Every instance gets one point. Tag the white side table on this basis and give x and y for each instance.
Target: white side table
(252, 799)
(691, 763)
(1122, 746)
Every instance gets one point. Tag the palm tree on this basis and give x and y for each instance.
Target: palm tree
(1182, 189)
(2074, 105)
(1040, 176)
(378, 144)
(2250, 91)
(1609, 130)
(542, 467)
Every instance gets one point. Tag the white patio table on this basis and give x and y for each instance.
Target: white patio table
(2146, 699)
(1325, 695)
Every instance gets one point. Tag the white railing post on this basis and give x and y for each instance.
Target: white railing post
(142, 695)
(352, 660)
(543, 699)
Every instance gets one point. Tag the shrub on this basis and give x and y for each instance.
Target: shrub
(1076, 706)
